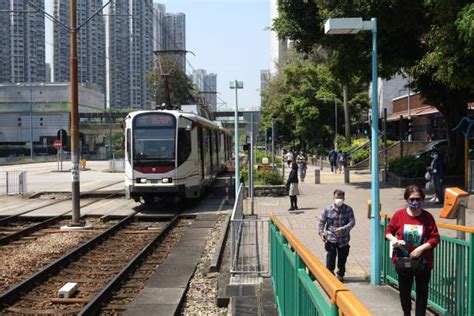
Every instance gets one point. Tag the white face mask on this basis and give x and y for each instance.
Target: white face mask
(338, 202)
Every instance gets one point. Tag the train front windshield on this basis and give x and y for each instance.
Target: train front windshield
(154, 138)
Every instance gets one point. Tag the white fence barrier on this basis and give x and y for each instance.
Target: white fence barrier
(13, 182)
(116, 164)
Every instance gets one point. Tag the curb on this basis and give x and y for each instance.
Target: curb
(216, 261)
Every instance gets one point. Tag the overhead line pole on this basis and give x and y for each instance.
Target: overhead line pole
(74, 95)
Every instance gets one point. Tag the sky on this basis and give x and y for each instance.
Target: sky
(228, 37)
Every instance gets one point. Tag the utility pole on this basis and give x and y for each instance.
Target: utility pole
(74, 114)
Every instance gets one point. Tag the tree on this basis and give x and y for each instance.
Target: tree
(430, 39)
(181, 88)
(302, 98)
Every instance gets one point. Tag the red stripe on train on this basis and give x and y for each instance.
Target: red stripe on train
(161, 169)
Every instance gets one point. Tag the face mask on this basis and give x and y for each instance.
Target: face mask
(414, 204)
(338, 202)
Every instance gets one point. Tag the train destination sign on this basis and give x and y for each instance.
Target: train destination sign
(149, 120)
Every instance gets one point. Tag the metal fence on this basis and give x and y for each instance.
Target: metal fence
(249, 238)
(451, 289)
(302, 284)
(116, 164)
(13, 182)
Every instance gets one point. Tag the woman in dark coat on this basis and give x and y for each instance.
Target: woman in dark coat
(292, 185)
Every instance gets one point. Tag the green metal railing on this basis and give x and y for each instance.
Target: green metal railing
(451, 289)
(294, 269)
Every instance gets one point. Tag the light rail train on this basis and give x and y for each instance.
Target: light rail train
(172, 153)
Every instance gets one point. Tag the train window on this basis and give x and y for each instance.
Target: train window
(184, 145)
(129, 145)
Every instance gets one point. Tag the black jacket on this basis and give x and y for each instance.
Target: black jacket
(437, 168)
(293, 177)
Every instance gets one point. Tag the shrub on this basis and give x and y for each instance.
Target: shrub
(409, 166)
(259, 154)
(360, 155)
(269, 177)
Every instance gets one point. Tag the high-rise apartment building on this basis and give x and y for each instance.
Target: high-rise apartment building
(130, 52)
(175, 35)
(207, 85)
(90, 43)
(22, 45)
(159, 12)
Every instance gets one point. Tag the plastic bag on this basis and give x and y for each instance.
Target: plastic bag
(427, 175)
(428, 186)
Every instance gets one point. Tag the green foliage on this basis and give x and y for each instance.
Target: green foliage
(262, 176)
(182, 89)
(260, 154)
(302, 98)
(437, 38)
(268, 177)
(409, 166)
(360, 155)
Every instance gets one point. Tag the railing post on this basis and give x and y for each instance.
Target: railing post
(299, 265)
(470, 277)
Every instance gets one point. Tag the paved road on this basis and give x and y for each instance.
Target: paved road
(45, 177)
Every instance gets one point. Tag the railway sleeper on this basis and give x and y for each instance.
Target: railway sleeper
(72, 271)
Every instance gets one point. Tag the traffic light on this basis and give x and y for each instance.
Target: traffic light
(410, 129)
(246, 147)
(269, 134)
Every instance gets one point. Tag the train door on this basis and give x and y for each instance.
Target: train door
(201, 152)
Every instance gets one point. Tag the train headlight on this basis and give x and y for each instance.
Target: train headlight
(143, 180)
(167, 180)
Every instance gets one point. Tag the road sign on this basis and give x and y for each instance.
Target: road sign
(57, 144)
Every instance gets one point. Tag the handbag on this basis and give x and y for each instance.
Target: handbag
(427, 175)
(407, 266)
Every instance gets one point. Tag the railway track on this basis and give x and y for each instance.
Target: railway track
(15, 228)
(98, 266)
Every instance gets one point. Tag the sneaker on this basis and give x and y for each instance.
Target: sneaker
(340, 278)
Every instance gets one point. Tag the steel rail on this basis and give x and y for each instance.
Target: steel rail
(10, 296)
(95, 305)
(31, 229)
(9, 219)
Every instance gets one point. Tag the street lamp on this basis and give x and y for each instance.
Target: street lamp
(352, 26)
(236, 85)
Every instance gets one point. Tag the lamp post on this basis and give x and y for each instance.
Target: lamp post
(236, 85)
(352, 26)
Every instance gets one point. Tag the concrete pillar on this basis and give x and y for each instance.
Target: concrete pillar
(346, 175)
(317, 176)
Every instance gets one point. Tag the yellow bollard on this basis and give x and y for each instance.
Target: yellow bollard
(83, 163)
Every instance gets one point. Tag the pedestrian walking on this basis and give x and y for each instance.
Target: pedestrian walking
(289, 157)
(413, 234)
(341, 160)
(292, 186)
(333, 160)
(301, 161)
(436, 170)
(334, 228)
